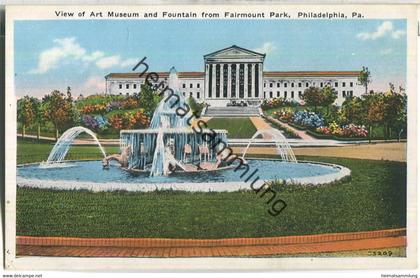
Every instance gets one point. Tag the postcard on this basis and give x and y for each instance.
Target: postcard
(211, 137)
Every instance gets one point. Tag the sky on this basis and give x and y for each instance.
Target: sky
(54, 54)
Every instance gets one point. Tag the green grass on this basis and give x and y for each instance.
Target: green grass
(374, 198)
(236, 127)
(31, 150)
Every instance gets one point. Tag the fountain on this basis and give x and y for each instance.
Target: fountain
(61, 148)
(162, 145)
(282, 146)
(172, 155)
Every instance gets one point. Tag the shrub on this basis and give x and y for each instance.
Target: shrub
(129, 120)
(308, 119)
(277, 102)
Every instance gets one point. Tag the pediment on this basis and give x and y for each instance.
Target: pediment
(234, 52)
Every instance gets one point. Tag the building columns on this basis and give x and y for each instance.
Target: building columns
(221, 80)
(213, 80)
(206, 82)
(237, 81)
(229, 81)
(246, 81)
(253, 80)
(260, 81)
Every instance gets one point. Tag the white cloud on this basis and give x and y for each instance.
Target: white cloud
(50, 58)
(266, 48)
(386, 28)
(129, 62)
(108, 61)
(93, 56)
(68, 49)
(94, 84)
(397, 34)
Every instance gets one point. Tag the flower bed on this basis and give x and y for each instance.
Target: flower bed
(349, 131)
(277, 103)
(314, 125)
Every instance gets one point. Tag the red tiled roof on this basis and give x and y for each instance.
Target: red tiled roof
(309, 73)
(182, 74)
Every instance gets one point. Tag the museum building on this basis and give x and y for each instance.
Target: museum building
(235, 75)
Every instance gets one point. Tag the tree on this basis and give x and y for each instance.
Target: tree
(27, 112)
(364, 78)
(395, 110)
(58, 108)
(195, 107)
(353, 111)
(328, 96)
(313, 97)
(375, 110)
(149, 99)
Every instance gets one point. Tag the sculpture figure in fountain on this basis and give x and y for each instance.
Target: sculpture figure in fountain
(122, 158)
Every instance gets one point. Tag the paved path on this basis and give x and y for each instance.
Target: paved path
(376, 151)
(149, 247)
(260, 124)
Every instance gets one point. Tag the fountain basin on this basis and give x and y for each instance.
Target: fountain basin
(88, 175)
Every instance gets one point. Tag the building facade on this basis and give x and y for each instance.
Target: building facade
(235, 74)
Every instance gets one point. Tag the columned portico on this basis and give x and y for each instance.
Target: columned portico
(236, 76)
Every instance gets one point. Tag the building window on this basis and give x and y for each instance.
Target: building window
(293, 94)
(183, 86)
(344, 84)
(285, 94)
(300, 84)
(278, 93)
(307, 85)
(285, 85)
(336, 84)
(271, 94)
(344, 93)
(321, 84)
(127, 86)
(198, 85)
(183, 93)
(120, 86)
(134, 86)
(264, 84)
(351, 93)
(351, 84)
(191, 85)
(300, 94)
(198, 94)
(191, 94)
(271, 85)
(278, 84)
(293, 85)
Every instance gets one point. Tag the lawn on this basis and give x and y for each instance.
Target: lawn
(236, 127)
(31, 150)
(374, 198)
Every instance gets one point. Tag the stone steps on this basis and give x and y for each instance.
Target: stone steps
(233, 111)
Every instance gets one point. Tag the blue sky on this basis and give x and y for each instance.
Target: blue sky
(54, 54)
